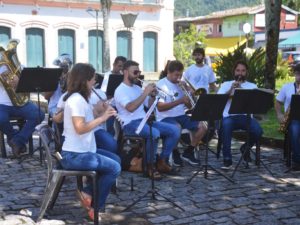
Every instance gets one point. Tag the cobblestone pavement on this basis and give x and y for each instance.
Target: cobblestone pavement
(255, 198)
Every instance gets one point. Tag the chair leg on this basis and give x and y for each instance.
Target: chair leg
(50, 190)
(257, 154)
(2, 145)
(55, 194)
(95, 200)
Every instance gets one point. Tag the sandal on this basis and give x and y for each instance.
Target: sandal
(85, 199)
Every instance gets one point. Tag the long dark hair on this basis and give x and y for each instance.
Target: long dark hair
(77, 80)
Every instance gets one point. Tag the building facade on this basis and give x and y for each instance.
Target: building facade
(47, 29)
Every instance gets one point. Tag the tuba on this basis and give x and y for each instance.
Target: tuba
(10, 71)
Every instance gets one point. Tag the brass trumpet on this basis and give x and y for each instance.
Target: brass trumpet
(198, 91)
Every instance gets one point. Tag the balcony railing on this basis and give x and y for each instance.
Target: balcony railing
(153, 2)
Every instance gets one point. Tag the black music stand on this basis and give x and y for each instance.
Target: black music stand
(294, 115)
(38, 79)
(251, 101)
(99, 80)
(209, 107)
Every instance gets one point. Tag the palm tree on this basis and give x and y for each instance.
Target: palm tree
(272, 10)
(105, 8)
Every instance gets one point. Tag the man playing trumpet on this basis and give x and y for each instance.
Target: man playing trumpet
(130, 100)
(173, 111)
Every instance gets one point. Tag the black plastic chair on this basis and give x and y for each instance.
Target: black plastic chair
(15, 121)
(56, 175)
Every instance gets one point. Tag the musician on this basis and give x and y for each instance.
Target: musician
(200, 75)
(284, 99)
(28, 111)
(232, 122)
(130, 100)
(79, 151)
(64, 61)
(173, 111)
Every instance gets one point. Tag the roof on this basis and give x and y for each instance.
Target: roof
(291, 42)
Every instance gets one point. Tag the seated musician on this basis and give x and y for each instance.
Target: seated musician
(231, 122)
(173, 111)
(104, 140)
(10, 106)
(79, 150)
(130, 100)
(284, 98)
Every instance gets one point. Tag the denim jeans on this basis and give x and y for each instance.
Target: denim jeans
(238, 122)
(110, 125)
(28, 112)
(294, 133)
(105, 140)
(169, 133)
(105, 162)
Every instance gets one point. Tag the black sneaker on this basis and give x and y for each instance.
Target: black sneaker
(247, 156)
(177, 161)
(189, 157)
(227, 164)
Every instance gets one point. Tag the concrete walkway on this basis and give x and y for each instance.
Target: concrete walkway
(255, 198)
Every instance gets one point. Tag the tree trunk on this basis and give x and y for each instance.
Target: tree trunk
(272, 13)
(105, 8)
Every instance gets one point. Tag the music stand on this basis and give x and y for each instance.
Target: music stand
(99, 80)
(114, 81)
(251, 101)
(38, 79)
(209, 107)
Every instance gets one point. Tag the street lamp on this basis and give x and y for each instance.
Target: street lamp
(247, 29)
(128, 21)
(91, 11)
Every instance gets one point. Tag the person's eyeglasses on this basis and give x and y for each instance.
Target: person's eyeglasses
(136, 72)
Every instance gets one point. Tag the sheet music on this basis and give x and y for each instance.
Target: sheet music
(144, 120)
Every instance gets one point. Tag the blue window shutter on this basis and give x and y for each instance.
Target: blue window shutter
(35, 47)
(4, 36)
(93, 51)
(66, 42)
(150, 51)
(124, 44)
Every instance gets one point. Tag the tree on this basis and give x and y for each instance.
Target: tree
(105, 8)
(272, 14)
(185, 42)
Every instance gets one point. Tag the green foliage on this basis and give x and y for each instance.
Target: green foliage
(205, 7)
(283, 71)
(184, 43)
(255, 61)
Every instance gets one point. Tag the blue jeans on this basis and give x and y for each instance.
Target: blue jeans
(238, 122)
(110, 125)
(168, 132)
(105, 140)
(104, 162)
(183, 121)
(294, 133)
(28, 112)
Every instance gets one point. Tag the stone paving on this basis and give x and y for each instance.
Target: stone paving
(255, 198)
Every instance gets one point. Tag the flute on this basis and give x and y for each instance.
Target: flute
(109, 103)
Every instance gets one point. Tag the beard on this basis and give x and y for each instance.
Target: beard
(199, 60)
(239, 77)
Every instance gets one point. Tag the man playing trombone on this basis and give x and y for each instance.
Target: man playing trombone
(173, 111)
(130, 101)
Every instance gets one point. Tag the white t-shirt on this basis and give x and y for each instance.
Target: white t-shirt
(125, 94)
(285, 94)
(200, 77)
(54, 100)
(225, 87)
(92, 100)
(74, 142)
(4, 98)
(172, 89)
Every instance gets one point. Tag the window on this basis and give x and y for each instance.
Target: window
(124, 44)
(150, 51)
(35, 47)
(66, 42)
(93, 49)
(4, 36)
(220, 28)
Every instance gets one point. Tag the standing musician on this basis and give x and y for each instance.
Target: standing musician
(231, 122)
(200, 75)
(284, 98)
(79, 151)
(174, 112)
(14, 104)
(130, 100)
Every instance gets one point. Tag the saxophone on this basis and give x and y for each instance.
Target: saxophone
(10, 71)
(283, 127)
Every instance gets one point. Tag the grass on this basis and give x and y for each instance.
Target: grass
(269, 122)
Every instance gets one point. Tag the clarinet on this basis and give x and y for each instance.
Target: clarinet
(109, 103)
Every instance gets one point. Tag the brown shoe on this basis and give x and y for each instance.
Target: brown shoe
(153, 172)
(16, 150)
(163, 167)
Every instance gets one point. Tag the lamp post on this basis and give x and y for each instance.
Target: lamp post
(90, 11)
(128, 21)
(247, 29)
